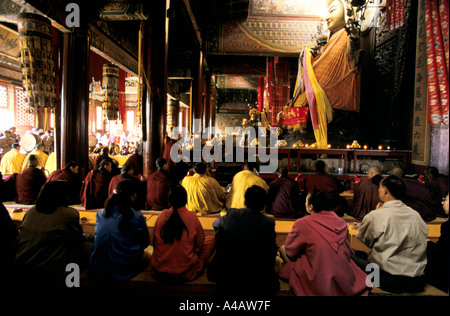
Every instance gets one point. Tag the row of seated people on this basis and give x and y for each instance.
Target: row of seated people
(242, 258)
(15, 162)
(206, 196)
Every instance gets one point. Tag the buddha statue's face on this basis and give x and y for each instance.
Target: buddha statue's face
(336, 16)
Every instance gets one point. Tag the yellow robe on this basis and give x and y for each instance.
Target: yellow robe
(41, 157)
(205, 195)
(50, 165)
(12, 162)
(241, 182)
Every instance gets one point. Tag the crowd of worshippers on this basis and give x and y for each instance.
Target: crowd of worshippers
(243, 257)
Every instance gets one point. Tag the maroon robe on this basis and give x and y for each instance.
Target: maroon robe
(8, 187)
(166, 154)
(140, 200)
(438, 187)
(158, 188)
(72, 179)
(419, 198)
(114, 169)
(284, 199)
(365, 198)
(332, 187)
(94, 190)
(28, 185)
(137, 161)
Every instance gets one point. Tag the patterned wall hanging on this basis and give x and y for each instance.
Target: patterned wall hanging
(436, 19)
(36, 56)
(110, 86)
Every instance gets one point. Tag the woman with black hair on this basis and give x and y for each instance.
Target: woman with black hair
(181, 249)
(121, 236)
(51, 236)
(317, 253)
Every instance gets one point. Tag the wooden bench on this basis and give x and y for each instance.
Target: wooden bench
(145, 283)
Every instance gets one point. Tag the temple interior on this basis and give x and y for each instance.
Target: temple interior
(280, 83)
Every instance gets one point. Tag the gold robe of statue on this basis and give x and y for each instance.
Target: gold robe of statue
(331, 78)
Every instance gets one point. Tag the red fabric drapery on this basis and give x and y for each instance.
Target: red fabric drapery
(277, 87)
(436, 19)
(395, 14)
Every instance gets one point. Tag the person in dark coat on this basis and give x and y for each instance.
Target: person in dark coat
(366, 195)
(284, 197)
(419, 197)
(69, 174)
(437, 183)
(244, 262)
(437, 269)
(94, 190)
(30, 182)
(158, 187)
(330, 185)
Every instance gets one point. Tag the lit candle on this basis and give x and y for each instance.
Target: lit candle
(365, 146)
(306, 145)
(348, 146)
(388, 147)
(313, 145)
(329, 145)
(380, 147)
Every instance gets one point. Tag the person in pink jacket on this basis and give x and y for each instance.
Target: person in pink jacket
(180, 248)
(317, 254)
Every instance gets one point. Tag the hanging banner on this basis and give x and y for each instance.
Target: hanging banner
(36, 56)
(110, 86)
(421, 129)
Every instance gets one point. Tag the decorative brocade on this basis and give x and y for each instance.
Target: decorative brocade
(36, 56)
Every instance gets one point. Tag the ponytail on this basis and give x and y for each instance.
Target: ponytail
(173, 228)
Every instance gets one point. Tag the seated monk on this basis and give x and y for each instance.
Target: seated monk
(284, 197)
(205, 195)
(419, 198)
(330, 185)
(39, 154)
(94, 190)
(241, 182)
(158, 187)
(366, 198)
(105, 156)
(12, 161)
(329, 80)
(30, 182)
(137, 161)
(69, 174)
(437, 183)
(126, 173)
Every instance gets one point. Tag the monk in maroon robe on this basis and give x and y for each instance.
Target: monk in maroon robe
(69, 174)
(419, 198)
(330, 185)
(94, 190)
(105, 156)
(284, 197)
(137, 162)
(30, 182)
(127, 172)
(366, 195)
(158, 187)
(437, 183)
(166, 154)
